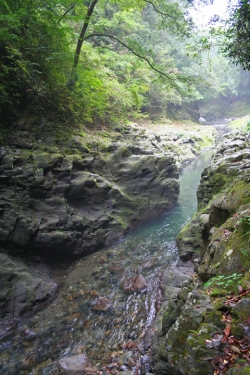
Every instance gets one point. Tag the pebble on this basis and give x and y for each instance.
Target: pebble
(28, 334)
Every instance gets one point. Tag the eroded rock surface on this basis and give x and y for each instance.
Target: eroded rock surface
(66, 192)
(69, 193)
(229, 168)
(74, 194)
(201, 326)
(21, 289)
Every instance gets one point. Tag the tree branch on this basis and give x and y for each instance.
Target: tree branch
(134, 53)
(66, 12)
(164, 14)
(158, 11)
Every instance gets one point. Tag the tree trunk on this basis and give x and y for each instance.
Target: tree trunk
(83, 32)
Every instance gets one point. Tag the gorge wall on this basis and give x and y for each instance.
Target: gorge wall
(204, 328)
(67, 192)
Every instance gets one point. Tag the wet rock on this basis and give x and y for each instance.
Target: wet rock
(133, 335)
(74, 316)
(28, 334)
(69, 195)
(101, 304)
(76, 203)
(115, 268)
(146, 364)
(130, 345)
(192, 320)
(76, 365)
(123, 359)
(130, 362)
(150, 264)
(23, 287)
(29, 360)
(134, 284)
(123, 368)
(113, 357)
(148, 339)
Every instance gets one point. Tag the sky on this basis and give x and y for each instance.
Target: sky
(203, 14)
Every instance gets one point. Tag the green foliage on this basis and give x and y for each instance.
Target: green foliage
(133, 59)
(219, 284)
(34, 56)
(244, 251)
(237, 43)
(245, 221)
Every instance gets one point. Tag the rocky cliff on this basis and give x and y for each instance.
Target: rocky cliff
(66, 192)
(204, 329)
(73, 194)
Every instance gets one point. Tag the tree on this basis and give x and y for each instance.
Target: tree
(34, 55)
(171, 16)
(237, 45)
(127, 55)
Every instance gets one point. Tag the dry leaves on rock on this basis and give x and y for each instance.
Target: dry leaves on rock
(233, 348)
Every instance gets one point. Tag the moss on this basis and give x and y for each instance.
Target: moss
(240, 124)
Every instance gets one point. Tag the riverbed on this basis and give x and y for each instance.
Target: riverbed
(70, 325)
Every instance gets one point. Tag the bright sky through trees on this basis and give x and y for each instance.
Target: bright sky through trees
(204, 13)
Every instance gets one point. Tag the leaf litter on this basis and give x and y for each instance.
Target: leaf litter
(233, 348)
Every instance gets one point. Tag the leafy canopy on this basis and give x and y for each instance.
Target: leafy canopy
(238, 35)
(98, 60)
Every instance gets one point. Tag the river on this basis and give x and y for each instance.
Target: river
(69, 325)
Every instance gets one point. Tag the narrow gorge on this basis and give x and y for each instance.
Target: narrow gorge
(86, 287)
(64, 197)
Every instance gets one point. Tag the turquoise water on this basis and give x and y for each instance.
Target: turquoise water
(69, 326)
(165, 229)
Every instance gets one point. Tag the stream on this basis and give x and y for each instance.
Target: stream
(70, 325)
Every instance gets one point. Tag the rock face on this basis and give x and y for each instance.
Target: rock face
(22, 289)
(72, 195)
(69, 193)
(202, 325)
(230, 166)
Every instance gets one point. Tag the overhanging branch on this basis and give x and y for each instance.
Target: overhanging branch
(66, 12)
(158, 11)
(134, 53)
(163, 14)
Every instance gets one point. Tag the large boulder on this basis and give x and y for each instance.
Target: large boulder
(73, 195)
(22, 288)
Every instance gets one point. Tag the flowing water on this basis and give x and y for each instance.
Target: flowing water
(70, 326)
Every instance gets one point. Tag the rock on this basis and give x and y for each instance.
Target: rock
(202, 121)
(123, 359)
(115, 268)
(130, 362)
(63, 194)
(193, 326)
(29, 335)
(146, 364)
(75, 197)
(130, 345)
(76, 365)
(134, 284)
(23, 288)
(101, 304)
